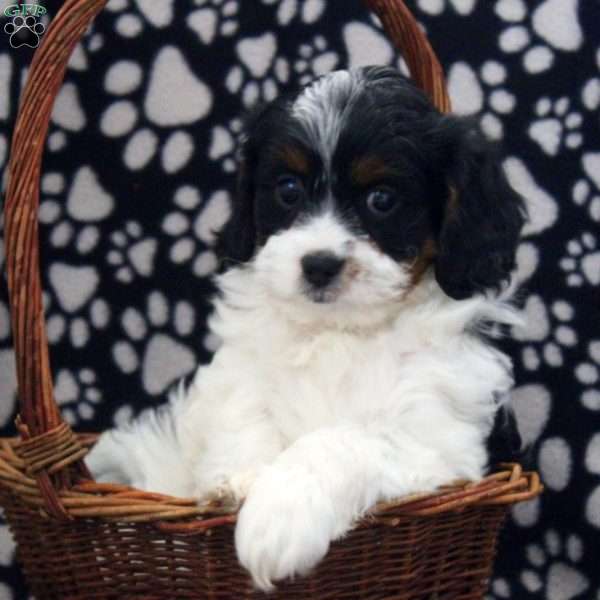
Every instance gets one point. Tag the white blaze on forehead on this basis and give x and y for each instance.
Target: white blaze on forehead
(322, 106)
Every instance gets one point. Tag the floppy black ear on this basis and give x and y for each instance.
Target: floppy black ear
(237, 240)
(482, 217)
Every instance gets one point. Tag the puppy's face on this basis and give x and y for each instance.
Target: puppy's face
(349, 191)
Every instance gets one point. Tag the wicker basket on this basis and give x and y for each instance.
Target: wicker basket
(78, 539)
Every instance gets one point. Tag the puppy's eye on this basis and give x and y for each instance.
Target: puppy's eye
(382, 201)
(290, 190)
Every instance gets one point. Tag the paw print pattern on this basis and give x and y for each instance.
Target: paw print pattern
(150, 337)
(194, 231)
(314, 60)
(557, 127)
(73, 226)
(437, 7)
(547, 333)
(482, 93)
(309, 11)
(77, 395)
(590, 92)
(587, 373)
(582, 261)
(71, 309)
(224, 141)
(260, 73)
(534, 35)
(214, 17)
(131, 253)
(124, 120)
(552, 567)
(586, 192)
(24, 31)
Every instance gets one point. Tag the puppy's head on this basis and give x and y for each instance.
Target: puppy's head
(355, 186)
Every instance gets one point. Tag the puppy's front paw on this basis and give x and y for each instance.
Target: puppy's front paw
(284, 527)
(228, 490)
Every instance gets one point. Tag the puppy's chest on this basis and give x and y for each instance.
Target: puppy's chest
(330, 378)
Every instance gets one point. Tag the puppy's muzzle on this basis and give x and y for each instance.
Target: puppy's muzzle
(320, 269)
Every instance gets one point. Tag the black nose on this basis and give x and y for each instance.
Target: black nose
(320, 268)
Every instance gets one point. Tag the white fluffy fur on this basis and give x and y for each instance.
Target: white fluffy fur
(316, 411)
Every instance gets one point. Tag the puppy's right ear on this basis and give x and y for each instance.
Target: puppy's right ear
(237, 241)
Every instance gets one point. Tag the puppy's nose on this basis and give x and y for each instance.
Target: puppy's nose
(320, 268)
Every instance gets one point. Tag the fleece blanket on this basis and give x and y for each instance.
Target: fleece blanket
(137, 176)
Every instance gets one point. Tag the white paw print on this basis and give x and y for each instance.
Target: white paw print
(131, 253)
(194, 228)
(588, 374)
(71, 306)
(482, 93)
(552, 567)
(314, 60)
(77, 394)
(69, 223)
(582, 262)
(549, 333)
(130, 24)
(309, 11)
(225, 139)
(556, 126)
(153, 343)
(586, 192)
(437, 7)
(260, 73)
(590, 92)
(533, 33)
(131, 118)
(214, 17)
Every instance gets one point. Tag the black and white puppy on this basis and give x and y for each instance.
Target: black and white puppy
(369, 242)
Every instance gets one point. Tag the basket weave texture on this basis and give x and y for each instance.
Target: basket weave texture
(78, 539)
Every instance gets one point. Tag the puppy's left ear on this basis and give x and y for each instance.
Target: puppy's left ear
(237, 241)
(482, 216)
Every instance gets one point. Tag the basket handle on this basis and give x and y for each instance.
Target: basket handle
(38, 409)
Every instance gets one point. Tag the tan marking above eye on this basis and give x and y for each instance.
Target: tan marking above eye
(368, 170)
(295, 159)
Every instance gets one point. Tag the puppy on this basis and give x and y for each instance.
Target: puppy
(365, 257)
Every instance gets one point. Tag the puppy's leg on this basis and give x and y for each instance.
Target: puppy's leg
(227, 436)
(317, 488)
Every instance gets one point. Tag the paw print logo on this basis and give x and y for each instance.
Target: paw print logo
(156, 341)
(548, 333)
(588, 374)
(533, 33)
(582, 262)
(260, 73)
(77, 394)
(552, 567)
(194, 231)
(314, 60)
(482, 93)
(24, 31)
(556, 126)
(212, 18)
(131, 253)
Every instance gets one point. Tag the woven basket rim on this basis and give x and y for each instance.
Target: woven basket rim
(117, 502)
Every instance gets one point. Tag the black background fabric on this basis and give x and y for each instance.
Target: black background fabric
(127, 250)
